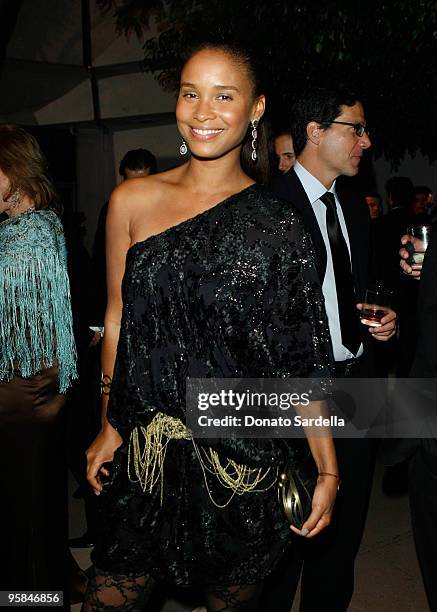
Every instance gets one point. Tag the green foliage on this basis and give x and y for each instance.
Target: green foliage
(385, 49)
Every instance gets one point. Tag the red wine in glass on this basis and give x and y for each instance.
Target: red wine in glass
(372, 315)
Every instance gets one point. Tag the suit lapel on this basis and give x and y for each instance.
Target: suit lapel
(356, 216)
(297, 195)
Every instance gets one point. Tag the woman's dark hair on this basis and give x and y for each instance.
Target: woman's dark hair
(23, 162)
(138, 159)
(259, 171)
(321, 105)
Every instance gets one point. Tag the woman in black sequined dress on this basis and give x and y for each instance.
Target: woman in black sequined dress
(219, 281)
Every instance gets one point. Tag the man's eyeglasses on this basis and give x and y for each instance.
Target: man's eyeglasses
(359, 128)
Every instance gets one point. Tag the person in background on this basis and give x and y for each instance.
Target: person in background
(330, 138)
(85, 415)
(400, 198)
(37, 367)
(284, 151)
(398, 357)
(400, 194)
(384, 353)
(373, 201)
(388, 231)
(83, 403)
(422, 203)
(137, 163)
(421, 454)
(390, 228)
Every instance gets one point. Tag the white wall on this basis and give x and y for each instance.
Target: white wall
(133, 94)
(162, 141)
(52, 32)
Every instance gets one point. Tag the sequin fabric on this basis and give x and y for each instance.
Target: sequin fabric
(232, 292)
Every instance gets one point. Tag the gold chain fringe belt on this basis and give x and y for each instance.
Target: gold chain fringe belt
(148, 447)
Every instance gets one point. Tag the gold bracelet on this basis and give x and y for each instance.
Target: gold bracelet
(105, 384)
(336, 476)
(329, 474)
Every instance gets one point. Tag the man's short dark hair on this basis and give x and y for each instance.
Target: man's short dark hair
(373, 194)
(400, 190)
(321, 105)
(422, 190)
(138, 159)
(286, 131)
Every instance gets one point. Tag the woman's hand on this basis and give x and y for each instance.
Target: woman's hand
(95, 339)
(322, 506)
(323, 451)
(101, 451)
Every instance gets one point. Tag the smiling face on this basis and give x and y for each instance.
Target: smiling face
(340, 149)
(216, 103)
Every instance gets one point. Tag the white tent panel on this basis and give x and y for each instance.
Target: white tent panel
(48, 31)
(74, 106)
(133, 94)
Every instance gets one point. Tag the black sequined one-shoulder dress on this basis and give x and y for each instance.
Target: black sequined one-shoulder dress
(231, 292)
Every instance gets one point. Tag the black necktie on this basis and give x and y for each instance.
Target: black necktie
(350, 331)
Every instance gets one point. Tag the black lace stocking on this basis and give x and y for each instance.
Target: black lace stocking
(115, 593)
(108, 592)
(239, 598)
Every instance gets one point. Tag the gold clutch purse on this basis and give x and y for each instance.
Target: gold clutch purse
(296, 485)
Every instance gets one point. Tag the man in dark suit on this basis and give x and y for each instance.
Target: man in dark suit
(422, 453)
(388, 231)
(330, 137)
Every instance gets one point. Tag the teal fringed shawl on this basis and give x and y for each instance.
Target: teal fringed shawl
(36, 328)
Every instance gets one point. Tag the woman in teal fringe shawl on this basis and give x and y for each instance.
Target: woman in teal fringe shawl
(37, 366)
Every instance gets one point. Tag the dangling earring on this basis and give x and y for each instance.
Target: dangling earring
(15, 199)
(183, 149)
(254, 123)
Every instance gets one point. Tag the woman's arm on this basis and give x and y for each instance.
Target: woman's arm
(323, 451)
(118, 241)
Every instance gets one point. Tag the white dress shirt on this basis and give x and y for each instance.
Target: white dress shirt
(314, 189)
